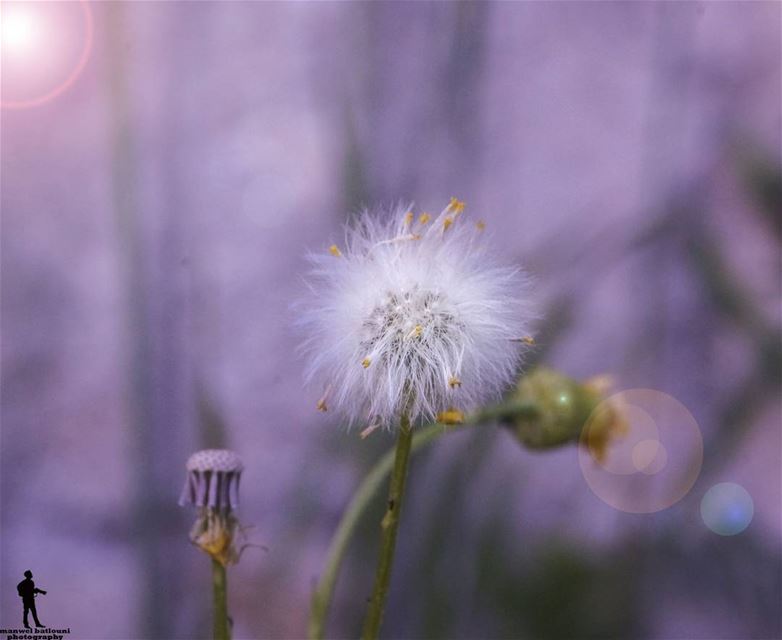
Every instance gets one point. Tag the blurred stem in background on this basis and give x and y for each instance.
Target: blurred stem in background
(147, 508)
(535, 421)
(150, 246)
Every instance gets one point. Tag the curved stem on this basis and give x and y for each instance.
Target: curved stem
(389, 526)
(220, 600)
(321, 598)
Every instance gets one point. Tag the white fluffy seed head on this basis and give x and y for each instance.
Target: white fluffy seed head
(412, 315)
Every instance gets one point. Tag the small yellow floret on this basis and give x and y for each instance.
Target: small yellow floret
(528, 340)
(424, 218)
(451, 416)
(447, 223)
(480, 225)
(415, 332)
(409, 217)
(454, 382)
(366, 362)
(456, 205)
(321, 405)
(334, 251)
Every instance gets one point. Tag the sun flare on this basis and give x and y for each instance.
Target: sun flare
(20, 30)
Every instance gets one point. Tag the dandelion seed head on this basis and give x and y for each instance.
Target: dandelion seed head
(415, 317)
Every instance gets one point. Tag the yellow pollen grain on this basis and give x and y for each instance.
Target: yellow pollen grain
(418, 330)
(409, 217)
(456, 205)
(334, 251)
(454, 382)
(447, 223)
(366, 362)
(451, 416)
(424, 218)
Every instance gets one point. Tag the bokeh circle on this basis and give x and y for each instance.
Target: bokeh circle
(654, 463)
(727, 508)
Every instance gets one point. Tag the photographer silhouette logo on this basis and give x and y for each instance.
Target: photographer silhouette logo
(28, 592)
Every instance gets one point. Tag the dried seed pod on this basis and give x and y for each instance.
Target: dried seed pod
(213, 477)
(212, 485)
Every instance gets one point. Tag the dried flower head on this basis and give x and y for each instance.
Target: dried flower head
(412, 315)
(213, 479)
(212, 485)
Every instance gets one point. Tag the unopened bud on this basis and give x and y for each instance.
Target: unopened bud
(563, 406)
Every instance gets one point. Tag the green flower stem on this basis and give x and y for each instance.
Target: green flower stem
(362, 499)
(389, 526)
(321, 598)
(220, 599)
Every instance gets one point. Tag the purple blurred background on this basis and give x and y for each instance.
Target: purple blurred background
(155, 217)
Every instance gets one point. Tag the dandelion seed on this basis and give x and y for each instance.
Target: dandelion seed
(421, 313)
(369, 430)
(321, 404)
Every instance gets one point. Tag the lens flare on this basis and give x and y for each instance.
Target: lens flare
(45, 47)
(653, 465)
(20, 31)
(649, 456)
(727, 508)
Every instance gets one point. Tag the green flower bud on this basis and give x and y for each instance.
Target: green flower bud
(563, 406)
